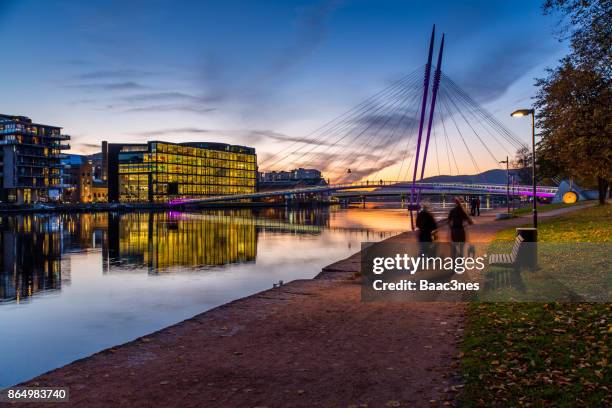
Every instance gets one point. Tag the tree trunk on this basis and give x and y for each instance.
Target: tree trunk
(602, 185)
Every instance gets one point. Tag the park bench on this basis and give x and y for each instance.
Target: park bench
(508, 259)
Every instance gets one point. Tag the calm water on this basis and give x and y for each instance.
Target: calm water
(71, 285)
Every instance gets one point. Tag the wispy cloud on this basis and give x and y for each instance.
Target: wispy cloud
(109, 86)
(169, 108)
(166, 132)
(110, 74)
(163, 96)
(311, 23)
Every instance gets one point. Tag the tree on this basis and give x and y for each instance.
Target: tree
(574, 111)
(522, 165)
(589, 30)
(573, 103)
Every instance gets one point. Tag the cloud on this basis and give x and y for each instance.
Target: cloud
(311, 24)
(394, 121)
(168, 108)
(77, 62)
(111, 86)
(270, 134)
(120, 73)
(493, 71)
(165, 132)
(163, 96)
(254, 86)
(90, 145)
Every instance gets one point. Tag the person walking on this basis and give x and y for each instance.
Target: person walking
(478, 206)
(426, 224)
(472, 206)
(457, 217)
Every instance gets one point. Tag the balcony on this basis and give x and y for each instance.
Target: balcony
(33, 134)
(30, 164)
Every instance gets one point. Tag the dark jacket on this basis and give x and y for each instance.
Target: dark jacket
(426, 224)
(456, 218)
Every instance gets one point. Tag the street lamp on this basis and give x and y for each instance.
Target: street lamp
(507, 162)
(520, 113)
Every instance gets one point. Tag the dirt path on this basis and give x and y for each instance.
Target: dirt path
(308, 343)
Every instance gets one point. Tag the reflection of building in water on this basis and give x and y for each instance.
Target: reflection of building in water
(305, 216)
(164, 240)
(30, 257)
(84, 231)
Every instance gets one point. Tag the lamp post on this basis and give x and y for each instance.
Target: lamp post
(520, 113)
(507, 182)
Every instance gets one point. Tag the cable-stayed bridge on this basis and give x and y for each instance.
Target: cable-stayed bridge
(422, 123)
(382, 188)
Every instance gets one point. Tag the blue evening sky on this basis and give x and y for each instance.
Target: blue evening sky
(239, 71)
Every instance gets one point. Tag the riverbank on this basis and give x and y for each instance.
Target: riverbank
(306, 343)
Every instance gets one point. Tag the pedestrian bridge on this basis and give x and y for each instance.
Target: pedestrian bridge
(380, 188)
(422, 123)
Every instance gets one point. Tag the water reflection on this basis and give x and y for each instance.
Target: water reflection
(33, 244)
(78, 283)
(30, 257)
(161, 241)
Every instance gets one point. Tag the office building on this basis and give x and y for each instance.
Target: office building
(158, 172)
(80, 176)
(30, 155)
(283, 180)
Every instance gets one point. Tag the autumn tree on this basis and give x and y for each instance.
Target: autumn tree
(573, 102)
(522, 165)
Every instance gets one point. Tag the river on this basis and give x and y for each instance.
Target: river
(74, 284)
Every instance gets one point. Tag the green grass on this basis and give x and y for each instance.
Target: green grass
(542, 354)
(592, 224)
(543, 208)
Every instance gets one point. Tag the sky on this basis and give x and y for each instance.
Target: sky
(259, 73)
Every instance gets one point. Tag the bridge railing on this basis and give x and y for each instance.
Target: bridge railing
(544, 191)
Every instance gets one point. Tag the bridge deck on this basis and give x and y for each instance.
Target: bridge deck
(389, 188)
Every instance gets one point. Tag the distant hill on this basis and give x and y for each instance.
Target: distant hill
(495, 176)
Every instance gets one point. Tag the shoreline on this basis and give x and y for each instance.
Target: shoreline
(305, 343)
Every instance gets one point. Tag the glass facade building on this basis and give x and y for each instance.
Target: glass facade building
(160, 171)
(30, 154)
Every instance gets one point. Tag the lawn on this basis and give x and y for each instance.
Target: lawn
(543, 208)
(542, 354)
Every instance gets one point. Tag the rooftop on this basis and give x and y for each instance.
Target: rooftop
(24, 119)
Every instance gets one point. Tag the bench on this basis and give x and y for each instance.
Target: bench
(508, 259)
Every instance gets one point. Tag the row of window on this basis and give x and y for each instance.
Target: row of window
(171, 173)
(12, 127)
(198, 189)
(200, 161)
(201, 152)
(211, 176)
(175, 178)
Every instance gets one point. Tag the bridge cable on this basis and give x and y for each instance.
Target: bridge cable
(472, 112)
(495, 160)
(377, 116)
(358, 107)
(366, 126)
(493, 122)
(356, 155)
(395, 89)
(459, 131)
(392, 141)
